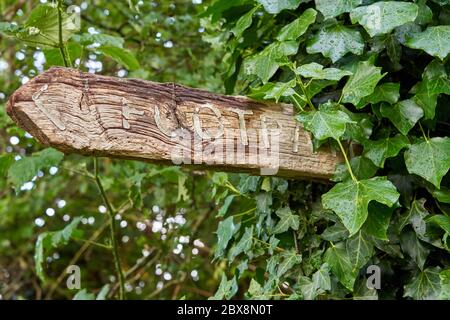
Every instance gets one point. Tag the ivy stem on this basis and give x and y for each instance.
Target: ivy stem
(302, 86)
(62, 47)
(349, 168)
(423, 132)
(112, 230)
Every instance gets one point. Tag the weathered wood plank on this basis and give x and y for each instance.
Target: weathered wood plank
(78, 112)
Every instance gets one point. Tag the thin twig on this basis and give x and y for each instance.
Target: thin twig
(112, 230)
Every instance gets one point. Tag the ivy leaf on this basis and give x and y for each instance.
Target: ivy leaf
(335, 42)
(275, 6)
(445, 285)
(333, 8)
(316, 71)
(6, 161)
(42, 29)
(255, 291)
(339, 260)
(25, 169)
(362, 83)
(416, 217)
(321, 278)
(434, 40)
(335, 233)
(48, 240)
(226, 204)
(243, 23)
(84, 295)
(377, 222)
(442, 221)
(387, 92)
(320, 283)
(425, 99)
(429, 159)
(362, 167)
(412, 246)
(362, 250)
(350, 200)
(325, 123)
(227, 288)
(102, 39)
(379, 150)
(122, 56)
(265, 63)
(244, 244)
(290, 259)
(280, 89)
(424, 286)
(287, 220)
(442, 195)
(404, 115)
(361, 128)
(225, 232)
(382, 17)
(298, 27)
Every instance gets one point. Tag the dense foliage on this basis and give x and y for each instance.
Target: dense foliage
(370, 78)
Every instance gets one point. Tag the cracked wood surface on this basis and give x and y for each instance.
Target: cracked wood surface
(88, 114)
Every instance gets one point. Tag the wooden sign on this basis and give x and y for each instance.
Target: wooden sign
(78, 112)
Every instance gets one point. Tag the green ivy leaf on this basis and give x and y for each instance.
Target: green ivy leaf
(415, 216)
(350, 200)
(382, 17)
(339, 260)
(316, 71)
(361, 248)
(243, 23)
(6, 161)
(255, 291)
(333, 8)
(362, 83)
(362, 167)
(225, 232)
(265, 63)
(298, 27)
(25, 169)
(280, 89)
(429, 159)
(102, 39)
(445, 284)
(335, 233)
(377, 222)
(412, 246)
(287, 220)
(442, 221)
(227, 288)
(83, 295)
(276, 6)
(424, 286)
(336, 41)
(244, 244)
(442, 195)
(404, 115)
(380, 150)
(325, 123)
(434, 40)
(41, 28)
(290, 259)
(122, 56)
(48, 240)
(387, 92)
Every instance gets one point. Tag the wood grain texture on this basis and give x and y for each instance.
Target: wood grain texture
(78, 112)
